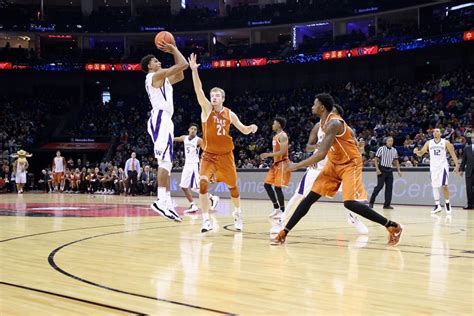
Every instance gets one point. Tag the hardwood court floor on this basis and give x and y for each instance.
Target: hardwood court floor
(76, 254)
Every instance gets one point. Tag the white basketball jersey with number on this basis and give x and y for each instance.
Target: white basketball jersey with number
(438, 157)
(160, 98)
(58, 164)
(191, 150)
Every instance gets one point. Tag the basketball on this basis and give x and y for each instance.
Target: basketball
(164, 37)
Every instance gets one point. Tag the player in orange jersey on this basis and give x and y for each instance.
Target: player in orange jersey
(278, 175)
(344, 165)
(217, 160)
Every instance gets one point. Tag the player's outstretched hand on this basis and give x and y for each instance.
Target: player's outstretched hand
(192, 62)
(253, 128)
(264, 155)
(166, 47)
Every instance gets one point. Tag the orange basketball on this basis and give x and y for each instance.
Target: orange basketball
(164, 37)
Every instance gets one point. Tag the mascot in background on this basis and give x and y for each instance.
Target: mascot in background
(20, 165)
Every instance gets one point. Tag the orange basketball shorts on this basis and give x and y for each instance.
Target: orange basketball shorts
(220, 168)
(58, 176)
(350, 174)
(279, 175)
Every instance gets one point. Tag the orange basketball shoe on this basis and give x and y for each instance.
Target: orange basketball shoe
(394, 235)
(279, 239)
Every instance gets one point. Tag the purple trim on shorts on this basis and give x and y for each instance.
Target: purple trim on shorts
(170, 146)
(301, 186)
(156, 131)
(445, 177)
(192, 181)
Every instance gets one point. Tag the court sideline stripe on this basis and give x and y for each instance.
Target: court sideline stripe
(53, 264)
(72, 298)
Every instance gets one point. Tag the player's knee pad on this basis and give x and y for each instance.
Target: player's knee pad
(165, 165)
(203, 186)
(234, 192)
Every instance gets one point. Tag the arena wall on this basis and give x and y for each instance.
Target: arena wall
(413, 188)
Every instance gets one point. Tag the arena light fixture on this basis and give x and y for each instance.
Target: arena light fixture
(461, 6)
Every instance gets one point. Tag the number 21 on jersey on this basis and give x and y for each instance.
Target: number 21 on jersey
(220, 130)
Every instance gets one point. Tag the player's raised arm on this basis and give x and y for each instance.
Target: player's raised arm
(334, 128)
(203, 101)
(175, 72)
(244, 129)
(451, 151)
(313, 138)
(179, 60)
(423, 150)
(179, 139)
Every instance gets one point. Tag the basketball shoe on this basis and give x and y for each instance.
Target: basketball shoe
(214, 201)
(238, 225)
(162, 208)
(206, 225)
(437, 209)
(394, 235)
(279, 239)
(354, 220)
(192, 209)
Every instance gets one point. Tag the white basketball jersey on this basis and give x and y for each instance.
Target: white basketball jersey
(320, 165)
(58, 164)
(438, 157)
(191, 150)
(160, 98)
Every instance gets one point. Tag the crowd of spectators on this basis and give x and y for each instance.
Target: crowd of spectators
(23, 116)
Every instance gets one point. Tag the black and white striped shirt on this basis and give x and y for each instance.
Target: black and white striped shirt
(386, 156)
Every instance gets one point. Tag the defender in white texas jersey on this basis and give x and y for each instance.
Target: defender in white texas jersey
(190, 174)
(159, 87)
(439, 167)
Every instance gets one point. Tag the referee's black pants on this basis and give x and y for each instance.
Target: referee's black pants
(385, 178)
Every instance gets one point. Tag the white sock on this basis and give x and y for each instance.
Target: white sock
(161, 193)
(447, 201)
(238, 209)
(205, 216)
(436, 195)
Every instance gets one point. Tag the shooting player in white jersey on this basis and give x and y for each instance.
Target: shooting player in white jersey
(439, 167)
(159, 86)
(190, 174)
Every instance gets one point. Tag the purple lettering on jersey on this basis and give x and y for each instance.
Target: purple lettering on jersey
(156, 131)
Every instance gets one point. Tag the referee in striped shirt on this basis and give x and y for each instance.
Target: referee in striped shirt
(385, 157)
